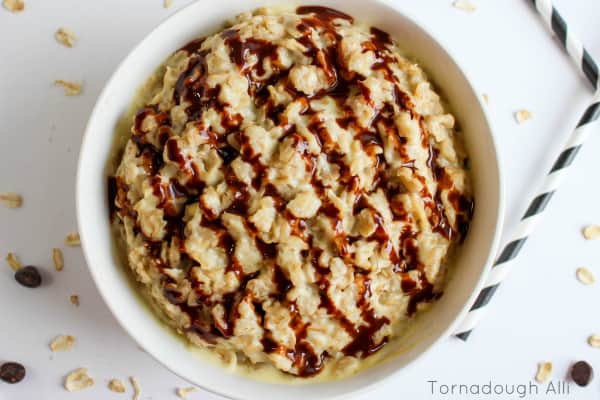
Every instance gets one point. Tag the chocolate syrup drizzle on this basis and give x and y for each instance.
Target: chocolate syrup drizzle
(192, 89)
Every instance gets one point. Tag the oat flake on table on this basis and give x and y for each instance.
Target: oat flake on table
(57, 258)
(183, 392)
(72, 239)
(594, 341)
(136, 387)
(464, 5)
(13, 262)
(116, 385)
(523, 115)
(543, 372)
(585, 276)
(74, 299)
(78, 380)
(14, 5)
(62, 343)
(11, 199)
(70, 88)
(65, 37)
(591, 232)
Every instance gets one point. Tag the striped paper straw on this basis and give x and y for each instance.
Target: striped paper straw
(580, 56)
(528, 222)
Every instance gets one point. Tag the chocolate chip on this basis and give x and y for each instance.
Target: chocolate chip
(29, 277)
(581, 373)
(228, 154)
(12, 372)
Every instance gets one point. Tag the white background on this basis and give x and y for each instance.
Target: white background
(540, 313)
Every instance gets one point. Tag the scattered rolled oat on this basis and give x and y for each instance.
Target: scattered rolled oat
(66, 37)
(13, 262)
(136, 387)
(183, 392)
(78, 380)
(14, 5)
(74, 299)
(464, 5)
(594, 341)
(591, 232)
(11, 200)
(62, 343)
(522, 116)
(72, 239)
(168, 3)
(543, 372)
(585, 276)
(57, 257)
(486, 98)
(116, 385)
(70, 88)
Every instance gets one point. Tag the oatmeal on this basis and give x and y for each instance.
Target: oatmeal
(291, 190)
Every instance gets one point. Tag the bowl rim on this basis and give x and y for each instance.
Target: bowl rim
(485, 269)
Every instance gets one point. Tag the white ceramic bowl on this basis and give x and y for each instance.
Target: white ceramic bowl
(205, 17)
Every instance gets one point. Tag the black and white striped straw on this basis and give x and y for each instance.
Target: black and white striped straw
(528, 222)
(573, 46)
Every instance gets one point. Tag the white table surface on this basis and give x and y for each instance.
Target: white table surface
(540, 313)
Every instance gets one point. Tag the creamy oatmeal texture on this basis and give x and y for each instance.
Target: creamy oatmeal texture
(291, 191)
